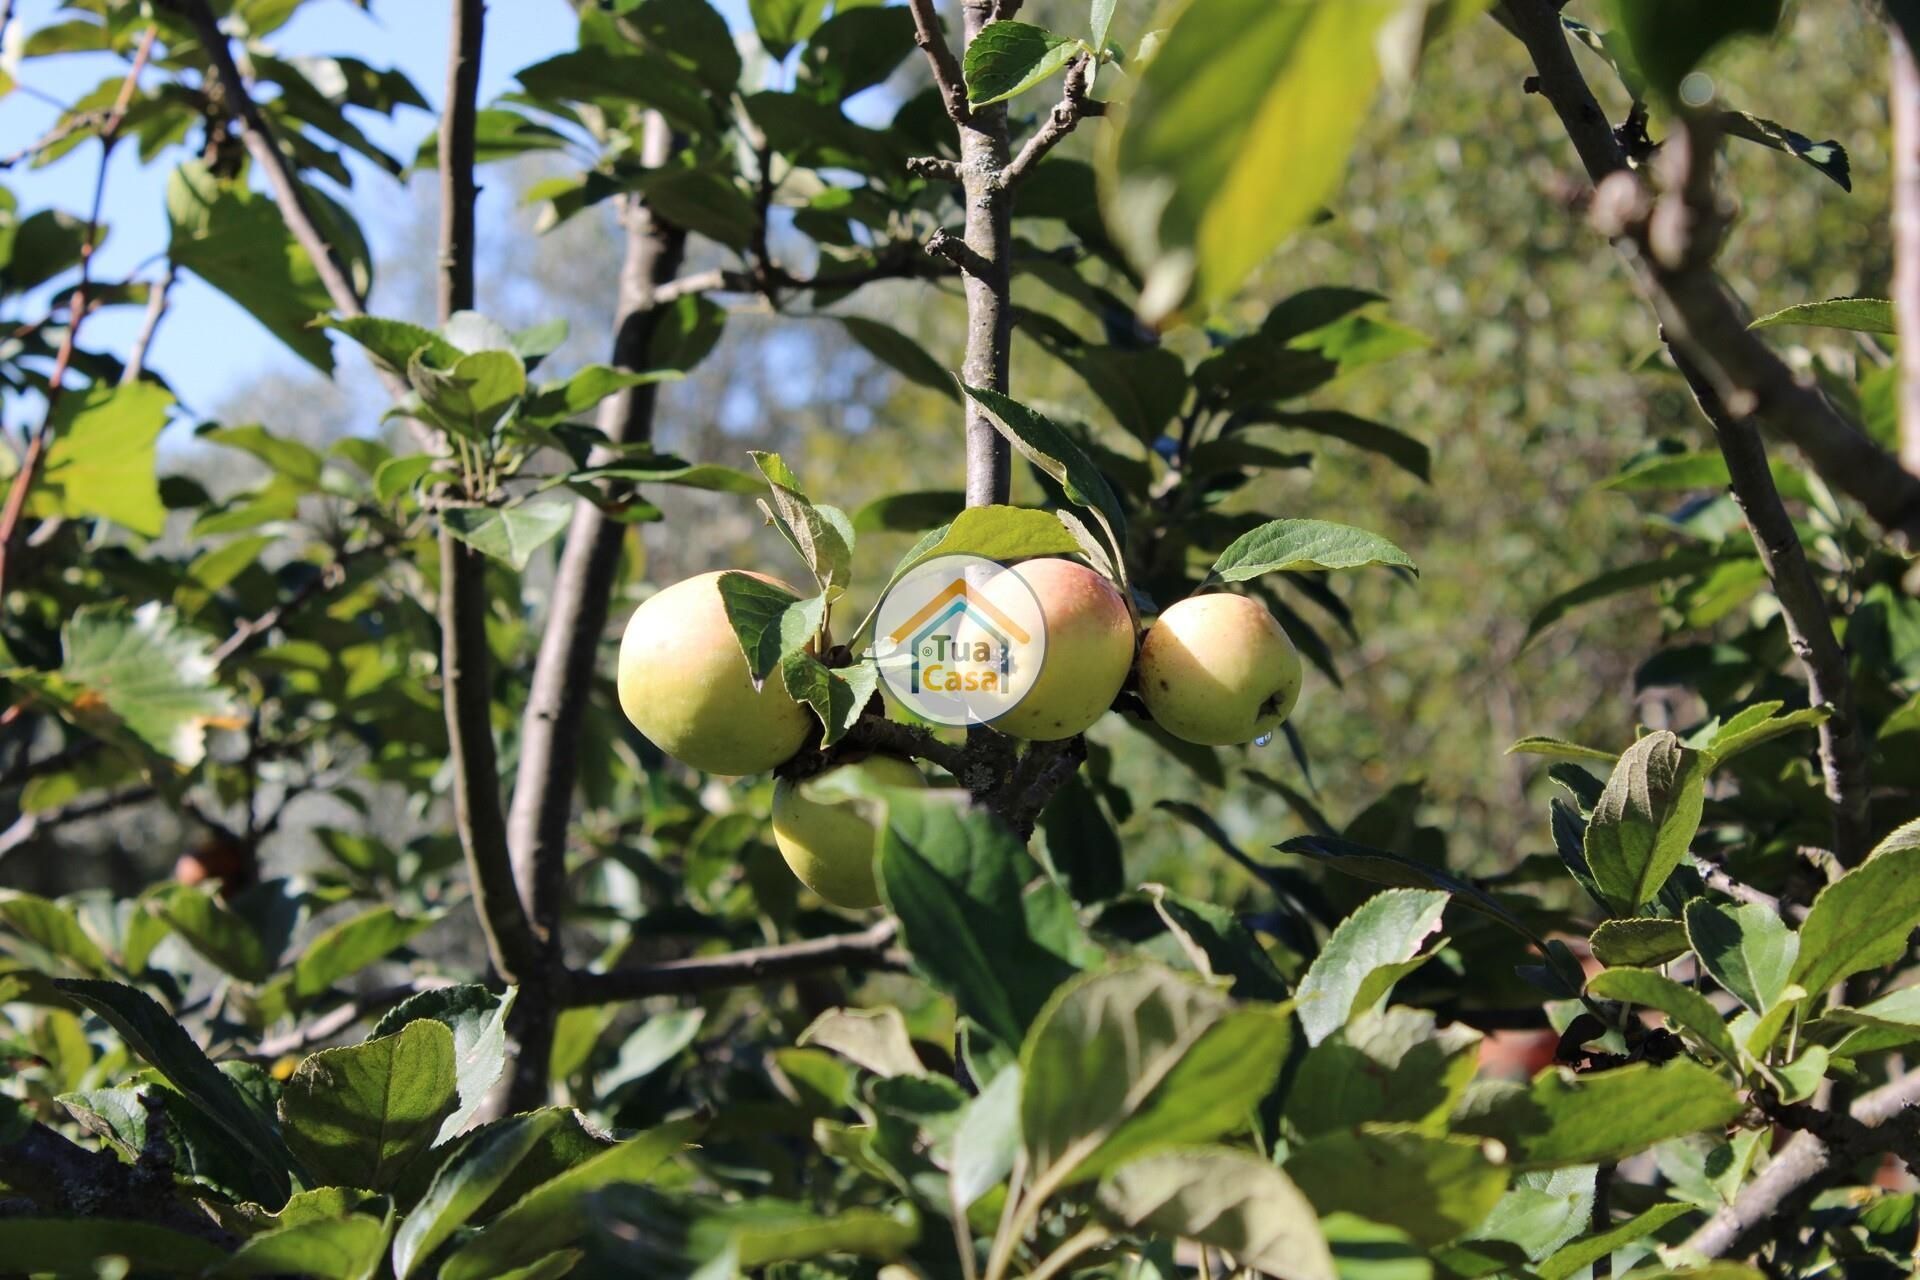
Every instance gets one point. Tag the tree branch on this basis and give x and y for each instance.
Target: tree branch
(562, 682)
(1701, 316)
(467, 691)
(1904, 106)
(250, 631)
(257, 136)
(946, 68)
(157, 295)
(1073, 107)
(1674, 239)
(869, 949)
(1803, 1165)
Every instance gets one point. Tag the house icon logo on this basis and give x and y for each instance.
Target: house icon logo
(960, 639)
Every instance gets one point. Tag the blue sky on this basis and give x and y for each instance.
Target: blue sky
(208, 346)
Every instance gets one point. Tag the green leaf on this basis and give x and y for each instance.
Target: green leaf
(559, 401)
(1225, 1199)
(346, 1248)
(901, 354)
(394, 343)
(235, 239)
(1565, 1263)
(1603, 1116)
(956, 878)
(1757, 724)
(478, 1020)
(1679, 564)
(909, 512)
(1829, 157)
(1560, 749)
(1138, 1058)
(350, 946)
(822, 542)
(875, 1039)
(1432, 1186)
(217, 933)
(687, 329)
(987, 1138)
(509, 534)
(1689, 1010)
(144, 674)
(1645, 819)
(1042, 442)
(1212, 167)
(1666, 39)
(769, 622)
(1390, 1066)
(1364, 956)
(657, 1041)
(692, 34)
(1100, 22)
(1639, 942)
(997, 533)
(1860, 315)
(782, 24)
(1007, 58)
(1861, 921)
(472, 395)
(555, 1214)
(101, 461)
(359, 1115)
(1296, 546)
(53, 928)
(1395, 446)
(289, 458)
(166, 1047)
(1749, 950)
(837, 695)
(77, 1246)
(398, 476)
(465, 1183)
(1541, 1211)
(667, 469)
(1218, 945)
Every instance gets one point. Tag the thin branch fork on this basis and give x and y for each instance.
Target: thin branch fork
(870, 948)
(1073, 107)
(1700, 312)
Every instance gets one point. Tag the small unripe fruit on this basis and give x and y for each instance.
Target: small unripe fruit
(829, 842)
(1217, 670)
(684, 683)
(1089, 648)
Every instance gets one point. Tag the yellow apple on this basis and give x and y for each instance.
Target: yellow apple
(1089, 648)
(829, 842)
(684, 683)
(1218, 670)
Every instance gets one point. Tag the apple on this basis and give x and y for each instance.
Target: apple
(684, 683)
(829, 842)
(1217, 670)
(1089, 648)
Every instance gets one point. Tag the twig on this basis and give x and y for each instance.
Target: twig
(248, 633)
(28, 825)
(880, 734)
(149, 325)
(1803, 609)
(1720, 882)
(946, 68)
(1073, 107)
(78, 309)
(869, 949)
(53, 137)
(938, 168)
(318, 1030)
(1701, 315)
(1904, 107)
(1802, 1165)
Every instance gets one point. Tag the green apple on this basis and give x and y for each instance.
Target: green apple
(827, 840)
(1218, 670)
(684, 683)
(1089, 648)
